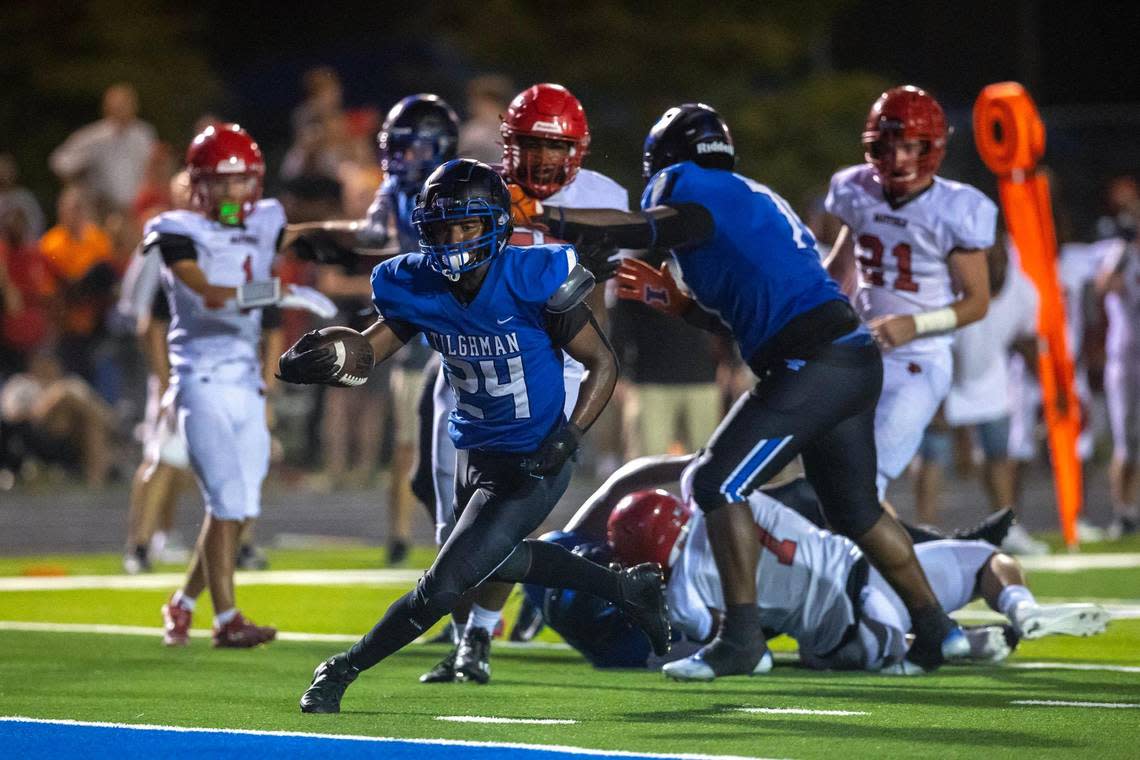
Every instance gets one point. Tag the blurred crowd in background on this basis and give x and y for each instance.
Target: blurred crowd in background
(73, 369)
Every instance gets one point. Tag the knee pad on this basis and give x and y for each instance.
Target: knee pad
(857, 519)
(429, 604)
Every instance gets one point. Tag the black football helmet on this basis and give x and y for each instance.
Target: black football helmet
(462, 189)
(689, 132)
(420, 133)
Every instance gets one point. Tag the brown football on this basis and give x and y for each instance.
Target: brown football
(353, 355)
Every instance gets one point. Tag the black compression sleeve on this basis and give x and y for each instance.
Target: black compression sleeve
(692, 224)
(563, 327)
(174, 247)
(705, 320)
(405, 331)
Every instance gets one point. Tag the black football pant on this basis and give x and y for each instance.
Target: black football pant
(500, 507)
(823, 408)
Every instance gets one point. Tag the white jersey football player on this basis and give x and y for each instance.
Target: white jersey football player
(818, 588)
(1119, 281)
(913, 250)
(217, 261)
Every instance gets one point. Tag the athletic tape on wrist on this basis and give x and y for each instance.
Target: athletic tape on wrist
(939, 320)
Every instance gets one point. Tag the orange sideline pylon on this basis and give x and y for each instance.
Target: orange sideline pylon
(1010, 137)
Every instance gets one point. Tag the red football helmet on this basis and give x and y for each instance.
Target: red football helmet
(226, 173)
(903, 114)
(544, 112)
(648, 526)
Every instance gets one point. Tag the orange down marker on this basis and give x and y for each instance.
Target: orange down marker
(1011, 140)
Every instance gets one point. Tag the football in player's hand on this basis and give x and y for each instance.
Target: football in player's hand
(332, 356)
(353, 353)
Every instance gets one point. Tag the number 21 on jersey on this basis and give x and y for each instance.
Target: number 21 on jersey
(872, 264)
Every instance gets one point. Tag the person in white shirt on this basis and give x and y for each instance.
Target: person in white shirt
(110, 155)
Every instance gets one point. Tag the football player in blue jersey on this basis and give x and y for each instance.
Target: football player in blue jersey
(419, 133)
(500, 316)
(753, 268)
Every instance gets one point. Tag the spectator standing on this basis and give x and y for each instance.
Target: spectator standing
(1123, 217)
(78, 254)
(26, 290)
(110, 155)
(487, 99)
(12, 195)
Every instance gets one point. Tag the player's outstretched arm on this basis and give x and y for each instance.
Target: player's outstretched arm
(637, 475)
(684, 224)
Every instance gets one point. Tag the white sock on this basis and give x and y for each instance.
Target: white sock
(1011, 596)
(224, 617)
(185, 602)
(483, 618)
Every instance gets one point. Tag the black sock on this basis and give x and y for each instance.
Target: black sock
(931, 624)
(554, 566)
(741, 626)
(395, 630)
(920, 534)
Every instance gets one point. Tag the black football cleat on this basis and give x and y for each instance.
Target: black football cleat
(992, 529)
(643, 603)
(444, 670)
(330, 679)
(472, 658)
(719, 658)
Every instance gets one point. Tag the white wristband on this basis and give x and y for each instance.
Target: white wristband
(939, 320)
(252, 295)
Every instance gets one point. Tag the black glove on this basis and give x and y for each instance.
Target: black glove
(309, 361)
(594, 254)
(558, 447)
(322, 247)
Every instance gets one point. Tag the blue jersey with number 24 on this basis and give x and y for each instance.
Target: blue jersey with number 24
(761, 268)
(497, 355)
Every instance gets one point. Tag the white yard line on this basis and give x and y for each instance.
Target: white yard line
(794, 711)
(492, 719)
(1073, 666)
(387, 739)
(1072, 563)
(1119, 609)
(1061, 563)
(1060, 703)
(245, 578)
(202, 633)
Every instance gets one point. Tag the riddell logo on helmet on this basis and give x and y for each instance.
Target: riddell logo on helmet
(548, 126)
(715, 146)
(232, 165)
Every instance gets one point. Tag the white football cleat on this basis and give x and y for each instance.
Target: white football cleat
(988, 644)
(1032, 621)
(694, 668)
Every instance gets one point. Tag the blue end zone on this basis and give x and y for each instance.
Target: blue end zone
(27, 739)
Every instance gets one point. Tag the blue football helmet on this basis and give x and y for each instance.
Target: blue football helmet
(689, 132)
(462, 189)
(420, 133)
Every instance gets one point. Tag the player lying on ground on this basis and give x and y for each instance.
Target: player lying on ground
(500, 317)
(812, 585)
(752, 263)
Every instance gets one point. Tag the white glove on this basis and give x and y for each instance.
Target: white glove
(302, 297)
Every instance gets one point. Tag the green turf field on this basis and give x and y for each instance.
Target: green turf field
(961, 711)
